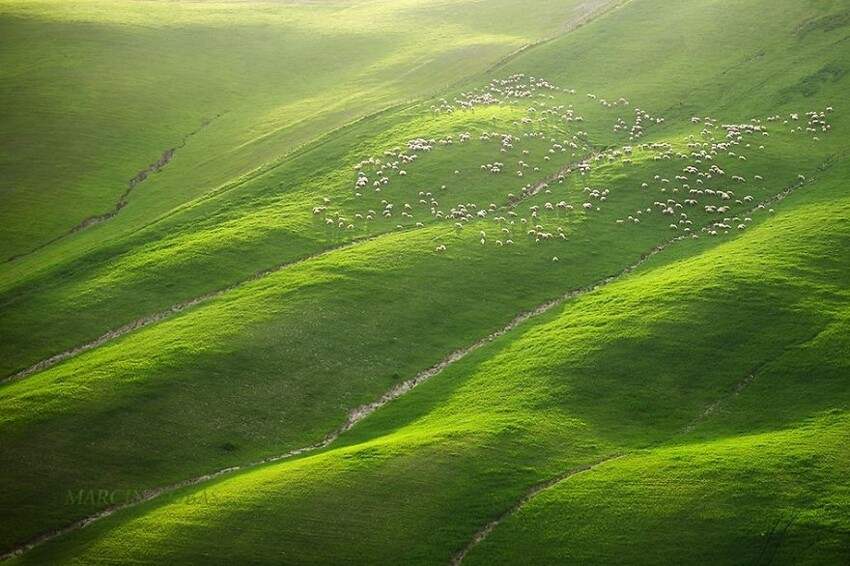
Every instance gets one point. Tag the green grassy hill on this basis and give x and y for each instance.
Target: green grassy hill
(100, 91)
(589, 304)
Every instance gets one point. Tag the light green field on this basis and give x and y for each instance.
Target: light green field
(94, 93)
(699, 357)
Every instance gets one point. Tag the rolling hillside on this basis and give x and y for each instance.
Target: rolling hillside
(416, 282)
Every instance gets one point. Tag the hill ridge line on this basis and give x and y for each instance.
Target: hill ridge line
(585, 18)
(707, 411)
(172, 310)
(711, 408)
(183, 305)
(482, 533)
(355, 416)
(359, 413)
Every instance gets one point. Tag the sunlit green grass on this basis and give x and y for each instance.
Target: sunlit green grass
(277, 363)
(772, 496)
(102, 90)
(436, 464)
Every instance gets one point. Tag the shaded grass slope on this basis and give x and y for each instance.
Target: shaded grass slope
(93, 92)
(418, 477)
(276, 363)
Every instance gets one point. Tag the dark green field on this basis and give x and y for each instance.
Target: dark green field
(424, 282)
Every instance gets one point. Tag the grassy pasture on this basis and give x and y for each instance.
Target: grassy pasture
(93, 92)
(434, 465)
(276, 363)
(196, 250)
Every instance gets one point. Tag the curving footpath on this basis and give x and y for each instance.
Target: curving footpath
(360, 413)
(485, 531)
(181, 306)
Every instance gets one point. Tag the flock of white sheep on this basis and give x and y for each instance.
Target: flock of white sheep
(700, 184)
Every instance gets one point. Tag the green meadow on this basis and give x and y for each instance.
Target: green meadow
(424, 282)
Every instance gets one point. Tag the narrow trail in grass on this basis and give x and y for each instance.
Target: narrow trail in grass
(582, 15)
(488, 528)
(140, 177)
(183, 305)
(360, 413)
(485, 531)
(712, 408)
(172, 310)
(587, 11)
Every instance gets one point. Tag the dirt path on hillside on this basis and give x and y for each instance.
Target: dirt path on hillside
(709, 409)
(578, 17)
(712, 408)
(162, 315)
(360, 413)
(183, 305)
(485, 531)
(137, 179)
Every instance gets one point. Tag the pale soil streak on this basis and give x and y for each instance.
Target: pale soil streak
(174, 309)
(485, 531)
(154, 167)
(355, 416)
(587, 11)
(710, 409)
(704, 414)
(488, 528)
(360, 413)
(580, 15)
(157, 317)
